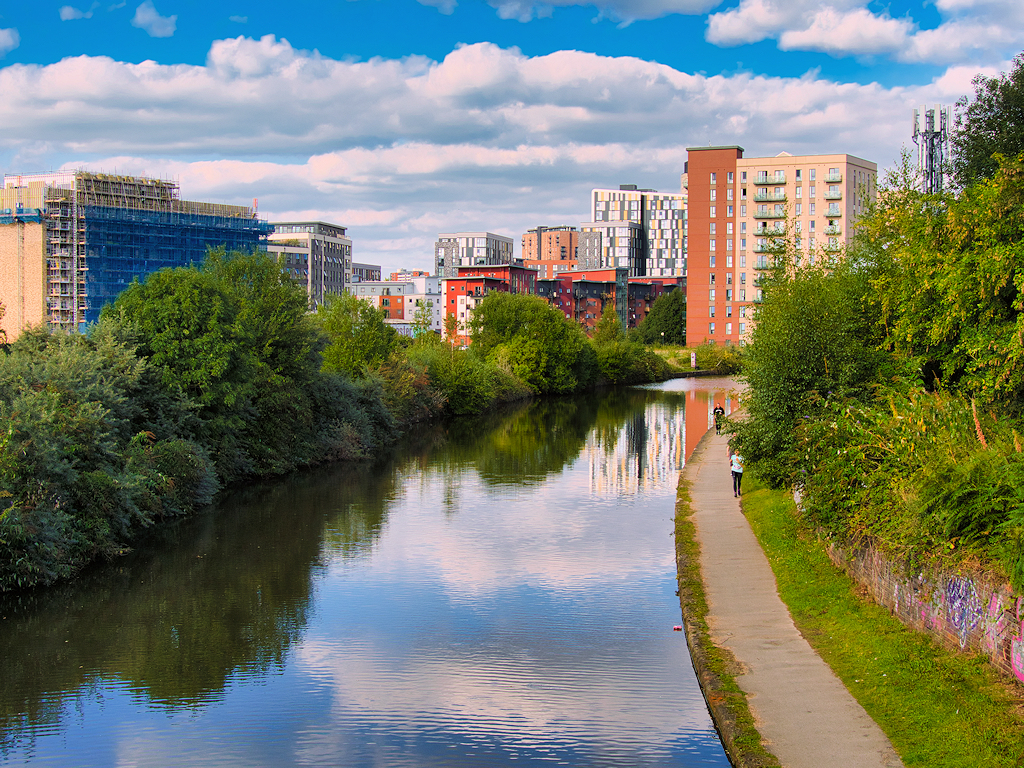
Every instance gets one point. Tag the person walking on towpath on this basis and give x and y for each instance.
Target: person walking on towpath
(736, 464)
(719, 413)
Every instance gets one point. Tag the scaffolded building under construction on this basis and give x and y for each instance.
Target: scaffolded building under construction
(98, 233)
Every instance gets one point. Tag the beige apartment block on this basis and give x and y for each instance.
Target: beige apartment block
(815, 200)
(738, 207)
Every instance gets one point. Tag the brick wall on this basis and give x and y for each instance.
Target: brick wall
(970, 611)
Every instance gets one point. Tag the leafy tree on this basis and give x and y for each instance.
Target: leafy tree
(357, 334)
(992, 124)
(534, 341)
(813, 338)
(609, 327)
(668, 317)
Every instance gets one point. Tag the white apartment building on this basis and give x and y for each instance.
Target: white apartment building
(316, 254)
(401, 299)
(469, 249)
(662, 219)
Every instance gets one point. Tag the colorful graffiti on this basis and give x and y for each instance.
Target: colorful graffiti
(995, 625)
(1017, 654)
(963, 608)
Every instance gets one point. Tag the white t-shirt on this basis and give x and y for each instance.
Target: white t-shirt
(737, 462)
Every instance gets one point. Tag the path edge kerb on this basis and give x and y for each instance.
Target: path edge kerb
(713, 665)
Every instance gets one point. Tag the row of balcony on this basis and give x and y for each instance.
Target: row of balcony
(770, 197)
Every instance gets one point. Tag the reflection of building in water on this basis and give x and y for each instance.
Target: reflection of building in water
(647, 451)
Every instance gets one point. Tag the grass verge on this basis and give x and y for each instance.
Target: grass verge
(715, 667)
(939, 708)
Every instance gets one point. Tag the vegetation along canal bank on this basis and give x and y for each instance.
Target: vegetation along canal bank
(206, 377)
(886, 389)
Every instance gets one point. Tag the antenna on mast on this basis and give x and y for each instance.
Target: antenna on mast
(932, 140)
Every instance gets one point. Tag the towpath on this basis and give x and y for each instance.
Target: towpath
(806, 716)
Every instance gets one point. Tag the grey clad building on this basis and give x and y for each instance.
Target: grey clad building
(316, 254)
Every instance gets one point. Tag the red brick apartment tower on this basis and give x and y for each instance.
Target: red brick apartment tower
(711, 241)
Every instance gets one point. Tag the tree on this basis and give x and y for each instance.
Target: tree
(991, 124)
(531, 339)
(357, 335)
(814, 336)
(666, 322)
(609, 327)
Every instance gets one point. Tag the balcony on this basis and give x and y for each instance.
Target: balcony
(833, 213)
(833, 195)
(770, 197)
(775, 231)
(777, 178)
(769, 214)
(833, 178)
(835, 229)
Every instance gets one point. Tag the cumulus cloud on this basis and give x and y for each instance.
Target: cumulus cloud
(239, 19)
(989, 29)
(70, 13)
(624, 11)
(152, 23)
(9, 40)
(401, 149)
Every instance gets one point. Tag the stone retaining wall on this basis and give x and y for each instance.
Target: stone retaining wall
(962, 610)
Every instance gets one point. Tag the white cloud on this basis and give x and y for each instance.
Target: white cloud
(986, 30)
(624, 11)
(400, 150)
(152, 23)
(239, 19)
(70, 13)
(9, 40)
(858, 31)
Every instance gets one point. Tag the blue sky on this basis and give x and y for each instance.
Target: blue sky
(402, 119)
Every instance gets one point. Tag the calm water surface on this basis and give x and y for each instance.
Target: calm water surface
(495, 593)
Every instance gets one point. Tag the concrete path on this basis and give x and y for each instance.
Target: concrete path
(804, 713)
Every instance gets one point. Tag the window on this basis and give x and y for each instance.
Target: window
(729, 211)
(728, 194)
(712, 243)
(714, 177)
(812, 174)
(798, 179)
(728, 278)
(743, 278)
(812, 225)
(712, 227)
(712, 296)
(728, 244)
(728, 329)
(743, 313)
(799, 209)
(811, 209)
(711, 328)
(712, 212)
(812, 191)
(711, 311)
(731, 177)
(743, 193)
(743, 210)
(728, 228)
(743, 243)
(743, 176)
(712, 261)
(728, 294)
(743, 327)
(714, 194)
(743, 259)
(799, 192)
(728, 310)
(728, 261)
(743, 227)
(712, 278)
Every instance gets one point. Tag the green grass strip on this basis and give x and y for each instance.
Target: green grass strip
(940, 708)
(715, 667)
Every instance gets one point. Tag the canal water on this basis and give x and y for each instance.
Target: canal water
(498, 592)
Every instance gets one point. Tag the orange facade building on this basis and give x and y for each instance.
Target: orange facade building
(739, 208)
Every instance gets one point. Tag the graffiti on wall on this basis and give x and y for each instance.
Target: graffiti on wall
(963, 608)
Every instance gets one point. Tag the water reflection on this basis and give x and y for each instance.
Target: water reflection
(497, 591)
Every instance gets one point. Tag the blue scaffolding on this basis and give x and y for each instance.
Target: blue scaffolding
(123, 244)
